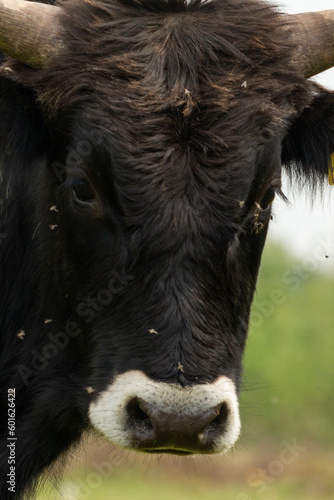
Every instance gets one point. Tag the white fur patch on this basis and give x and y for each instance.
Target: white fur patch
(108, 412)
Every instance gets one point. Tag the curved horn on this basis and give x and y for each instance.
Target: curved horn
(29, 31)
(314, 37)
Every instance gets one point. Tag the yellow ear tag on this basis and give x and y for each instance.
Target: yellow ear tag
(331, 170)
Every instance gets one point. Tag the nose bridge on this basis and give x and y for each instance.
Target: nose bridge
(139, 413)
(185, 325)
(178, 278)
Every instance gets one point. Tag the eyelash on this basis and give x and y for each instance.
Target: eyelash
(83, 183)
(68, 187)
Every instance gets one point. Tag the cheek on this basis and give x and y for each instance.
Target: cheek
(253, 242)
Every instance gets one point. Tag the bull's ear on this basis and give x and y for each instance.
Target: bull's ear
(309, 143)
(21, 124)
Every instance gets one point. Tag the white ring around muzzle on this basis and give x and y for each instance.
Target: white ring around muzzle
(108, 412)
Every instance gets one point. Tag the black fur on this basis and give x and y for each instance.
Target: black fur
(178, 115)
(310, 140)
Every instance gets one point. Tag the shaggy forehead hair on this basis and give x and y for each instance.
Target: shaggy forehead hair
(187, 91)
(162, 54)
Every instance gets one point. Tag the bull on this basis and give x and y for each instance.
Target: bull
(141, 147)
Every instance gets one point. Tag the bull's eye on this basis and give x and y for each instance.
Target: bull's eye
(83, 191)
(268, 198)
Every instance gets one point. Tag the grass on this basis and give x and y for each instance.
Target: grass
(132, 483)
(290, 355)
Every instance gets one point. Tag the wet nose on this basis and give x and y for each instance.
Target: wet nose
(154, 430)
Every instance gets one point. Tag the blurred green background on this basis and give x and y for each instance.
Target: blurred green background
(287, 409)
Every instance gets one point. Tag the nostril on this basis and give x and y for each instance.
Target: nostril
(138, 420)
(218, 424)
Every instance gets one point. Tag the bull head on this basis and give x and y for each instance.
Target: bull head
(145, 148)
(31, 34)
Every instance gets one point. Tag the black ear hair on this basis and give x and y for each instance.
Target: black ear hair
(309, 142)
(21, 122)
